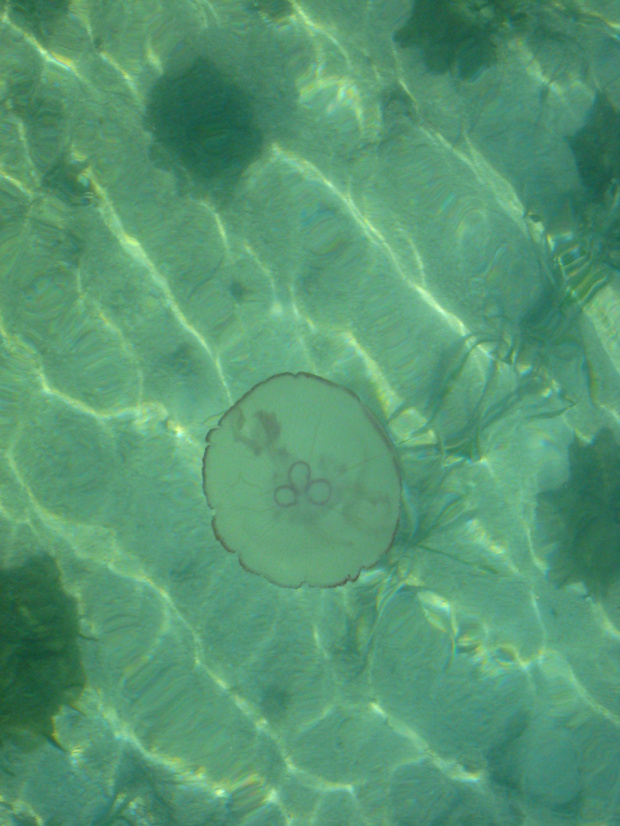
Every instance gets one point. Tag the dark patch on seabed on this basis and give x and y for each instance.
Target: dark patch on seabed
(39, 16)
(596, 147)
(457, 36)
(203, 126)
(274, 10)
(588, 508)
(40, 664)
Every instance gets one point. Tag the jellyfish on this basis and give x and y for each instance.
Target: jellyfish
(303, 482)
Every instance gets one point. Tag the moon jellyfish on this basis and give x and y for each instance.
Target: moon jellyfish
(303, 482)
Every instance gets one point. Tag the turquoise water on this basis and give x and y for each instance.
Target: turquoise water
(419, 205)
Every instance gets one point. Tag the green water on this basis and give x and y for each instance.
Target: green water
(417, 203)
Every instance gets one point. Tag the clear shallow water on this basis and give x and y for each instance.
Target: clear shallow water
(414, 231)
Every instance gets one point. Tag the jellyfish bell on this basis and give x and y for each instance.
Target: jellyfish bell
(303, 482)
